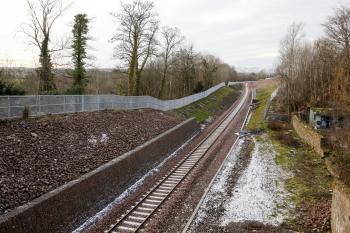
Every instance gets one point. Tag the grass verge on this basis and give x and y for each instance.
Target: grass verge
(310, 185)
(257, 119)
(310, 182)
(211, 105)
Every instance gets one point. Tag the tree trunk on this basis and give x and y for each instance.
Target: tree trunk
(161, 91)
(45, 71)
(133, 66)
(131, 77)
(137, 83)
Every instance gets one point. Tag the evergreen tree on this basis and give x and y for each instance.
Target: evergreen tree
(80, 38)
(47, 83)
(42, 16)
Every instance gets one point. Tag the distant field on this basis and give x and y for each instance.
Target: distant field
(264, 89)
(267, 83)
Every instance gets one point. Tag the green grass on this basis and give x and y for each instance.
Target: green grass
(310, 181)
(207, 107)
(257, 119)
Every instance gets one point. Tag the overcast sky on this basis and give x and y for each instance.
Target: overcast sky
(243, 33)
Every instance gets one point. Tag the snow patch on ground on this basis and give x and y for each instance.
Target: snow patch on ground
(216, 190)
(258, 195)
(95, 139)
(104, 138)
(104, 212)
(259, 191)
(274, 93)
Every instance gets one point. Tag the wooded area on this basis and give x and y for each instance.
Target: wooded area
(151, 59)
(317, 73)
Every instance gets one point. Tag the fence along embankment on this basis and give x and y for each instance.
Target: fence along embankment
(13, 106)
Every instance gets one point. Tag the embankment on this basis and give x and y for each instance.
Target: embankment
(64, 208)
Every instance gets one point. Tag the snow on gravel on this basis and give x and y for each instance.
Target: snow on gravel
(258, 194)
(259, 191)
(216, 190)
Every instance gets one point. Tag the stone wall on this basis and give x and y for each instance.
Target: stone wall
(341, 208)
(308, 135)
(68, 206)
(340, 219)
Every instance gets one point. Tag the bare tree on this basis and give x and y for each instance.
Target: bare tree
(135, 39)
(317, 74)
(337, 29)
(186, 70)
(289, 48)
(209, 66)
(42, 16)
(172, 39)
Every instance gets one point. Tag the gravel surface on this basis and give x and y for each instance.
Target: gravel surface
(259, 194)
(213, 208)
(247, 195)
(39, 155)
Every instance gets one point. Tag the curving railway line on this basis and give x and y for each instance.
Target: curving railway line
(138, 214)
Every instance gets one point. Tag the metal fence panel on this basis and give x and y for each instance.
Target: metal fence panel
(4, 113)
(52, 109)
(21, 101)
(12, 106)
(4, 101)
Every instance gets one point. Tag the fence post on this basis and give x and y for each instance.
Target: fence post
(64, 103)
(38, 96)
(82, 103)
(98, 102)
(8, 107)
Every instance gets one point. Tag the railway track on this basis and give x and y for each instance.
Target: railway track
(135, 218)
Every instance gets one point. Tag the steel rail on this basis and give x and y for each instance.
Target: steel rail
(135, 218)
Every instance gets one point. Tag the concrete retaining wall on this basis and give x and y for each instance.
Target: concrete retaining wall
(341, 209)
(68, 206)
(308, 135)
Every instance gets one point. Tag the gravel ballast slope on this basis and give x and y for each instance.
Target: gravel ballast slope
(41, 154)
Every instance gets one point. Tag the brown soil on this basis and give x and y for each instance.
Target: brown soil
(39, 155)
(316, 215)
(249, 227)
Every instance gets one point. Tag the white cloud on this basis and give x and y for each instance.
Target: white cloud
(241, 32)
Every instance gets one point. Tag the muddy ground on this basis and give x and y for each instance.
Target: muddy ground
(40, 154)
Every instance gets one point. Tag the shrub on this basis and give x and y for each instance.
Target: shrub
(10, 89)
(287, 139)
(75, 90)
(52, 92)
(277, 125)
(25, 113)
(199, 87)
